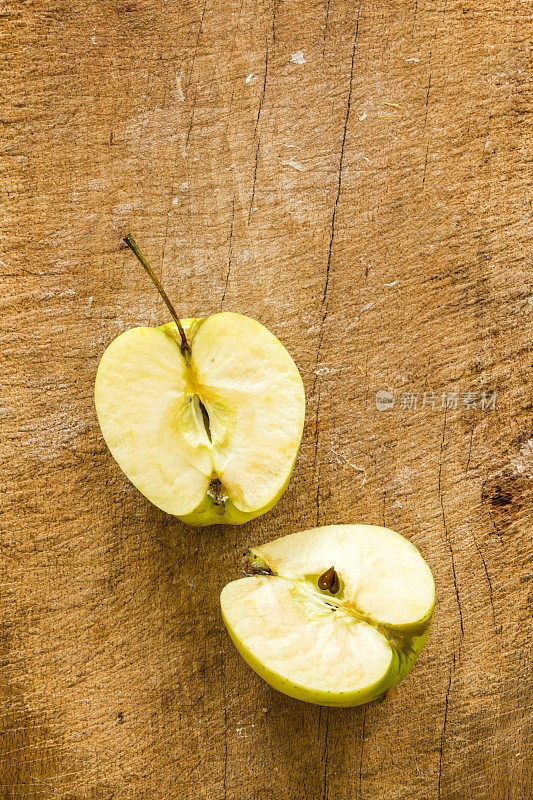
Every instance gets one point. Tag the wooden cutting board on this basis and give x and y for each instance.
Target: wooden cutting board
(356, 177)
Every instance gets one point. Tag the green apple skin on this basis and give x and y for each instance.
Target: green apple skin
(209, 512)
(404, 657)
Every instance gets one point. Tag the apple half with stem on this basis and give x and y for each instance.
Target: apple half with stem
(335, 616)
(204, 416)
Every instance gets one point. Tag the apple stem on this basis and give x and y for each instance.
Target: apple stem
(132, 244)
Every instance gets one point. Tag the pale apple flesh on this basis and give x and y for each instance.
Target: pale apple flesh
(339, 649)
(209, 435)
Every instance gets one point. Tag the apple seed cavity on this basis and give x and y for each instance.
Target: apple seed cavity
(206, 420)
(216, 492)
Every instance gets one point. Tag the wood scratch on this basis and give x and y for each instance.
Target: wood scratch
(341, 165)
(488, 580)
(237, 26)
(323, 307)
(263, 91)
(167, 224)
(225, 778)
(443, 734)
(189, 129)
(425, 165)
(325, 791)
(450, 548)
(428, 90)
(230, 252)
(317, 469)
(469, 448)
(362, 749)
(484, 503)
(197, 43)
(228, 118)
(325, 30)
(255, 179)
(191, 74)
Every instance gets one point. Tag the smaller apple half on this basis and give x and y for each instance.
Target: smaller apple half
(211, 434)
(346, 643)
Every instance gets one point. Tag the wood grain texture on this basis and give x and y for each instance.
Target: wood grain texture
(397, 258)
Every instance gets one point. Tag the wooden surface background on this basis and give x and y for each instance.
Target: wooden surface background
(371, 207)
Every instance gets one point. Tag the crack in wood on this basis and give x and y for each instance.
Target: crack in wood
(197, 43)
(230, 252)
(325, 791)
(325, 30)
(250, 210)
(316, 465)
(323, 306)
(362, 751)
(450, 548)
(443, 734)
(263, 90)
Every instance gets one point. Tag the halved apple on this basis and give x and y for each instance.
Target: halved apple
(204, 416)
(335, 616)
